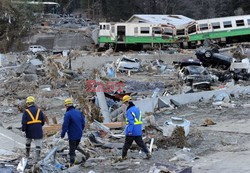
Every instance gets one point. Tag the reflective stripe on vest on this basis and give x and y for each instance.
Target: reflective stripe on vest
(33, 120)
(136, 120)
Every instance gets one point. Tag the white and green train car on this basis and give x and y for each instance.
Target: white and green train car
(152, 34)
(224, 29)
(135, 34)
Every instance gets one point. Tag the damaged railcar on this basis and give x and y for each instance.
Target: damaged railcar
(146, 31)
(158, 31)
(223, 30)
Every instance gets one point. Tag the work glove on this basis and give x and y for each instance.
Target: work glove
(129, 134)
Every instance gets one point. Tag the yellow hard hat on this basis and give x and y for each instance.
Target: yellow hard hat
(126, 98)
(30, 99)
(68, 101)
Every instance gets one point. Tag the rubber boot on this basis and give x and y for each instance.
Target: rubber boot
(27, 152)
(71, 163)
(148, 156)
(38, 151)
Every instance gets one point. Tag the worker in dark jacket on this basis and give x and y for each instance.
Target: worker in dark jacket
(73, 124)
(32, 122)
(133, 129)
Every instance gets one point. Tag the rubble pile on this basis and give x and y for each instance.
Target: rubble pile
(179, 102)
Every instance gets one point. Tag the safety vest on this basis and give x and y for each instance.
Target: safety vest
(137, 122)
(33, 120)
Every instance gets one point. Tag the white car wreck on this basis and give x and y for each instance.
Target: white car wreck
(37, 48)
(126, 64)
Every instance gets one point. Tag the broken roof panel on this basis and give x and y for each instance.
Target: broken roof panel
(177, 20)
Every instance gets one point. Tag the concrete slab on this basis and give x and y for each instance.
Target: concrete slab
(206, 95)
(148, 105)
(233, 126)
(10, 140)
(229, 162)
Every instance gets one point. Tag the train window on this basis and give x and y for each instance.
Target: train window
(227, 24)
(113, 29)
(167, 31)
(144, 30)
(156, 30)
(107, 27)
(240, 23)
(100, 26)
(192, 29)
(203, 26)
(216, 25)
(136, 30)
(180, 32)
(248, 21)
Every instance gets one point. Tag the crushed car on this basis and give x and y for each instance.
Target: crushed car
(187, 62)
(194, 75)
(125, 64)
(212, 58)
(240, 69)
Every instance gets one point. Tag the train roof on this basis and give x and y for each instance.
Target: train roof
(176, 20)
(224, 18)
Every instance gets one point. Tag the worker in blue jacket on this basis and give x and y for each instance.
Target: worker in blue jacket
(73, 124)
(133, 129)
(32, 122)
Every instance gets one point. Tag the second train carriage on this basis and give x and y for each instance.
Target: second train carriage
(223, 29)
(152, 34)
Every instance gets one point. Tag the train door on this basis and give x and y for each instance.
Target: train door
(112, 32)
(121, 33)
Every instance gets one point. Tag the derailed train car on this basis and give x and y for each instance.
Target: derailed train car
(223, 30)
(145, 31)
(150, 31)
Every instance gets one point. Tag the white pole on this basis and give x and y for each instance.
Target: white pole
(151, 145)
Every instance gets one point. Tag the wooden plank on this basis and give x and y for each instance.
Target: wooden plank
(51, 130)
(115, 125)
(54, 120)
(46, 119)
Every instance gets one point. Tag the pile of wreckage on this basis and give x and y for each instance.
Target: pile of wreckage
(67, 21)
(51, 82)
(233, 62)
(215, 65)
